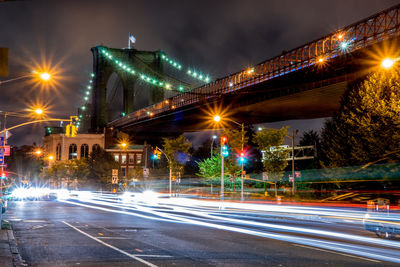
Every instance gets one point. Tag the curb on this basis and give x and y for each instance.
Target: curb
(17, 260)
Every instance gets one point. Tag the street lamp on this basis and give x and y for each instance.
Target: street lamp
(212, 144)
(44, 76)
(387, 63)
(39, 111)
(217, 119)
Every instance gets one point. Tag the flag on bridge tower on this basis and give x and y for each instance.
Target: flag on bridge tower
(132, 40)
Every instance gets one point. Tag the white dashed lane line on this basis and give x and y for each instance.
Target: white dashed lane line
(135, 257)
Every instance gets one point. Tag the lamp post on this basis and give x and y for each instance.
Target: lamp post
(212, 144)
(44, 76)
(217, 119)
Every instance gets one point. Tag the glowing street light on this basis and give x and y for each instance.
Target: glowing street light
(124, 145)
(39, 111)
(387, 63)
(217, 118)
(38, 152)
(45, 76)
(50, 157)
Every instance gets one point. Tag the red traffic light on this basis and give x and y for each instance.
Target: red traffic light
(224, 139)
(242, 154)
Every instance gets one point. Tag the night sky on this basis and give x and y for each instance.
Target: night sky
(220, 37)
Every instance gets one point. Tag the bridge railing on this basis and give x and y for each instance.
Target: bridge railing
(372, 30)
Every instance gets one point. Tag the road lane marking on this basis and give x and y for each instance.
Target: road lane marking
(112, 237)
(110, 246)
(333, 252)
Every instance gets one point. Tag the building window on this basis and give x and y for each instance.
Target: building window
(58, 152)
(84, 151)
(138, 159)
(116, 157)
(72, 151)
(130, 171)
(131, 158)
(95, 147)
(123, 170)
(123, 158)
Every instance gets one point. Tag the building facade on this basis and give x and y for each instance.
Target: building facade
(62, 147)
(130, 158)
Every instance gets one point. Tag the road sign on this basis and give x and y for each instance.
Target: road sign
(1, 140)
(290, 178)
(5, 150)
(1, 159)
(3, 165)
(115, 172)
(297, 174)
(265, 176)
(114, 179)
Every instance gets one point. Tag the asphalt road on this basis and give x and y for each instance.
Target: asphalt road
(108, 232)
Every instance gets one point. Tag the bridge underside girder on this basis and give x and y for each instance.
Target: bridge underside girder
(314, 92)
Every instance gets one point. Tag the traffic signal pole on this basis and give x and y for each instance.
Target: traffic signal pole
(2, 156)
(242, 180)
(222, 171)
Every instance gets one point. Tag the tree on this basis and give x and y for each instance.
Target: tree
(274, 160)
(210, 170)
(101, 164)
(366, 130)
(177, 152)
(67, 171)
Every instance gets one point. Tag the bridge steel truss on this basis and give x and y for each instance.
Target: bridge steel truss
(365, 33)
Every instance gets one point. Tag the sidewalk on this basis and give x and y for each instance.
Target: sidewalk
(9, 255)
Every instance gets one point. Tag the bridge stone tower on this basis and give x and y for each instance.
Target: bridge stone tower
(141, 61)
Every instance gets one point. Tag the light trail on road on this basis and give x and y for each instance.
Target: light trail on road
(212, 214)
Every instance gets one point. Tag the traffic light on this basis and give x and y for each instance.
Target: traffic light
(242, 157)
(224, 139)
(158, 154)
(155, 154)
(224, 147)
(3, 175)
(74, 131)
(71, 130)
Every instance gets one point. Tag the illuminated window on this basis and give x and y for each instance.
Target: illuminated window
(72, 151)
(138, 159)
(123, 158)
(116, 157)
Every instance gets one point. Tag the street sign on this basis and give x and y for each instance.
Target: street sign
(297, 174)
(290, 178)
(115, 172)
(114, 179)
(3, 165)
(265, 176)
(1, 159)
(5, 150)
(1, 140)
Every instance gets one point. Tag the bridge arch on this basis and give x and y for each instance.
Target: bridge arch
(103, 69)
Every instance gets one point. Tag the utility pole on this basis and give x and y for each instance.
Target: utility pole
(293, 134)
